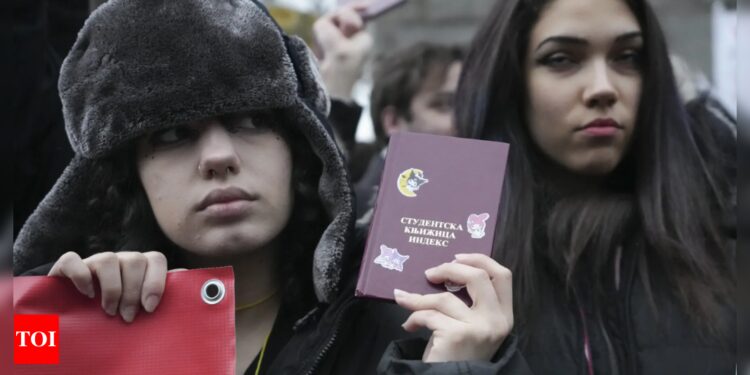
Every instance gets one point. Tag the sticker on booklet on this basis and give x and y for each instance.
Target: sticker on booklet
(390, 258)
(476, 225)
(409, 182)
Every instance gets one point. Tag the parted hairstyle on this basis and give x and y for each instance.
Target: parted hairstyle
(665, 190)
(399, 76)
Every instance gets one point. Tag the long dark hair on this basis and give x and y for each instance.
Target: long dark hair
(663, 189)
(129, 224)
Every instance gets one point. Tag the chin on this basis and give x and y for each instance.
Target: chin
(596, 168)
(597, 164)
(223, 244)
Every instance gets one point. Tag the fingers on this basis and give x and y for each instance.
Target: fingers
(132, 270)
(348, 20)
(106, 267)
(460, 332)
(477, 281)
(430, 319)
(126, 279)
(446, 303)
(501, 277)
(71, 265)
(153, 280)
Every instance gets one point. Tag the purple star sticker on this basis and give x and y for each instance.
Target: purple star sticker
(390, 258)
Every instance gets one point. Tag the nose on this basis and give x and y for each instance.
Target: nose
(218, 157)
(600, 93)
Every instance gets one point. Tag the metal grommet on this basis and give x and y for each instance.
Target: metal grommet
(213, 291)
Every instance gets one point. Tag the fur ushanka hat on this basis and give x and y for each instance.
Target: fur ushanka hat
(143, 65)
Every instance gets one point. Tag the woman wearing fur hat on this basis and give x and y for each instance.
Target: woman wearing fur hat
(199, 132)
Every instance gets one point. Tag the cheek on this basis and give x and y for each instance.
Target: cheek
(550, 98)
(162, 195)
(549, 103)
(631, 94)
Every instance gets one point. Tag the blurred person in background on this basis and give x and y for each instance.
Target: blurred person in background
(413, 89)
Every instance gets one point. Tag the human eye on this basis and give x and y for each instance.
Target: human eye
(630, 58)
(170, 136)
(240, 123)
(558, 60)
(444, 102)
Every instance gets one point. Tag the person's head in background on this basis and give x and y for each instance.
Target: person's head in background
(584, 92)
(414, 90)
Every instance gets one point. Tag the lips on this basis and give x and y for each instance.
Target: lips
(225, 195)
(601, 128)
(602, 123)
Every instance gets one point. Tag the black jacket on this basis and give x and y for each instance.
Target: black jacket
(623, 333)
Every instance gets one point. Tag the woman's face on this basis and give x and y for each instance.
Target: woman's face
(584, 83)
(218, 187)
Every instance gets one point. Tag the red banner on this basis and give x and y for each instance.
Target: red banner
(191, 331)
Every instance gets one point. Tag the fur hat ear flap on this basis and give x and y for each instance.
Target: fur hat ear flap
(311, 88)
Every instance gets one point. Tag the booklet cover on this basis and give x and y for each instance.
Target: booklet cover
(438, 196)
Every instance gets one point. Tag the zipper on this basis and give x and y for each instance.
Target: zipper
(332, 339)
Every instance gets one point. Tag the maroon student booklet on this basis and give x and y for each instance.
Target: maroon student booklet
(438, 197)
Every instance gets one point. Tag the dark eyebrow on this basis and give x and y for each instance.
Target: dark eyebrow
(564, 39)
(628, 36)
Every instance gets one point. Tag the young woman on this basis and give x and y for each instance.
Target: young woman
(612, 209)
(199, 133)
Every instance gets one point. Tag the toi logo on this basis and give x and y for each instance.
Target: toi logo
(36, 339)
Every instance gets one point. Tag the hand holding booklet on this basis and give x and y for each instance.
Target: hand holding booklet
(438, 197)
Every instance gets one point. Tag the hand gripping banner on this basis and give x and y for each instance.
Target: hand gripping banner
(191, 331)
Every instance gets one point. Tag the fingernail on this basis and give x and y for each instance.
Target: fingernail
(128, 314)
(460, 256)
(110, 309)
(398, 293)
(90, 292)
(151, 302)
(429, 271)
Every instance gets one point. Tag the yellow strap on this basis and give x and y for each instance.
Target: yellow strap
(262, 351)
(256, 303)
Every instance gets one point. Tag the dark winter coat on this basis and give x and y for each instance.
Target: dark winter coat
(139, 66)
(622, 332)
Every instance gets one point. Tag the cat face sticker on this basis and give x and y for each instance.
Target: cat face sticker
(409, 182)
(390, 259)
(476, 224)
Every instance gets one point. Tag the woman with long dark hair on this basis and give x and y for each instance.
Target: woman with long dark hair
(201, 141)
(615, 203)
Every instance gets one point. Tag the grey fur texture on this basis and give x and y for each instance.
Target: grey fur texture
(143, 65)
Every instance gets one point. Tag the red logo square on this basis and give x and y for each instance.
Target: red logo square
(36, 339)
